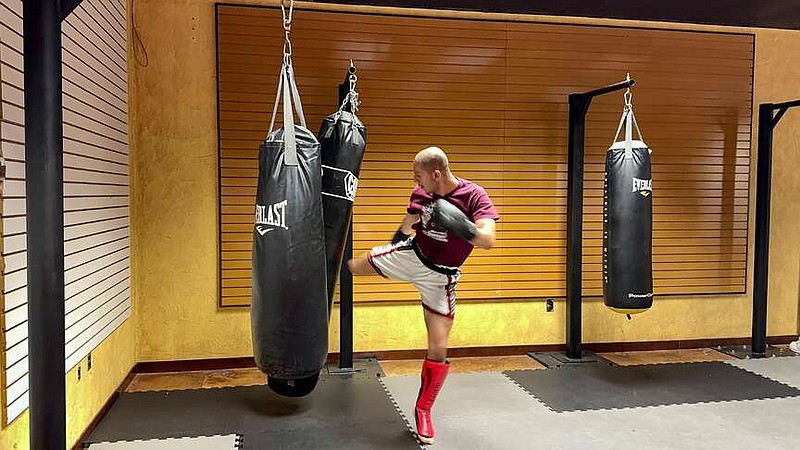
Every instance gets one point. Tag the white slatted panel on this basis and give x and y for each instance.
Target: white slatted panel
(96, 202)
(12, 141)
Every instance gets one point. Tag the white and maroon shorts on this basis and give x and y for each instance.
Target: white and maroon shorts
(404, 262)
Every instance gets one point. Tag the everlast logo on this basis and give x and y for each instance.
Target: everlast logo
(643, 187)
(270, 216)
(350, 186)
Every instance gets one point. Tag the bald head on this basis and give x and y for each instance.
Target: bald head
(432, 172)
(433, 158)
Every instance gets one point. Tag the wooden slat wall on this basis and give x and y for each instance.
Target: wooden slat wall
(96, 203)
(494, 96)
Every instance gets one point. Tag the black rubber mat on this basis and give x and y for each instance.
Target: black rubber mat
(350, 411)
(604, 387)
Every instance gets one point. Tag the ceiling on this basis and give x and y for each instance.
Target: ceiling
(749, 13)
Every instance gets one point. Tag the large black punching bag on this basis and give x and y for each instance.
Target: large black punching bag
(627, 222)
(289, 311)
(343, 139)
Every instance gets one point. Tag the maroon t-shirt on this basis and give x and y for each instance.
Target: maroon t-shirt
(438, 244)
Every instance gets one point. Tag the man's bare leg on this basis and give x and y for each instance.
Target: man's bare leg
(361, 266)
(438, 335)
(434, 372)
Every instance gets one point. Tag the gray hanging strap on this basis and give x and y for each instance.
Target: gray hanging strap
(296, 96)
(621, 122)
(289, 141)
(628, 133)
(629, 120)
(277, 102)
(287, 90)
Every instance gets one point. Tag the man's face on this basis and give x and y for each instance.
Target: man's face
(427, 180)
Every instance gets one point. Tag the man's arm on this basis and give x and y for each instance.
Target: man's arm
(408, 221)
(480, 234)
(484, 237)
(405, 230)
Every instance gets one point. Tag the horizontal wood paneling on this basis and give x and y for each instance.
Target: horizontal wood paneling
(494, 96)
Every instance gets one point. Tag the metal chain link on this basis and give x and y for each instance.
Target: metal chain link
(287, 27)
(628, 95)
(352, 95)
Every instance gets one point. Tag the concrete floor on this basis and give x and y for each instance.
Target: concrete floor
(480, 408)
(488, 411)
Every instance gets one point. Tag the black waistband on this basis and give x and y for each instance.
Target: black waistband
(430, 264)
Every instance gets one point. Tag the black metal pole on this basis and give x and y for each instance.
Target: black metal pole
(67, 6)
(763, 188)
(578, 107)
(786, 105)
(346, 306)
(345, 277)
(605, 90)
(766, 126)
(45, 223)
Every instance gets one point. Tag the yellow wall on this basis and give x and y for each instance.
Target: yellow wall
(112, 360)
(776, 81)
(175, 231)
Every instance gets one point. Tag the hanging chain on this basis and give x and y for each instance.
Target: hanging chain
(287, 27)
(628, 95)
(352, 95)
(628, 108)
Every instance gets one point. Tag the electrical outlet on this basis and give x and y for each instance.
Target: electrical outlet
(549, 304)
(89, 362)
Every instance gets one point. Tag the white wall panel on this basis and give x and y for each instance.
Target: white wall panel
(96, 195)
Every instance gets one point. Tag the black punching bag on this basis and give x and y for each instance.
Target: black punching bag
(628, 223)
(343, 138)
(289, 312)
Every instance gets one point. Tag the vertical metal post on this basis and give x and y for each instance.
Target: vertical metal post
(345, 277)
(45, 223)
(766, 126)
(578, 106)
(346, 306)
(761, 266)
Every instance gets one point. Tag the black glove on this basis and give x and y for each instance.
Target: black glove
(449, 216)
(399, 236)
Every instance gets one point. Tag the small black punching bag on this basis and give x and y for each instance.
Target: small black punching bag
(343, 139)
(627, 222)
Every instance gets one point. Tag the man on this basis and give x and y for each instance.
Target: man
(448, 216)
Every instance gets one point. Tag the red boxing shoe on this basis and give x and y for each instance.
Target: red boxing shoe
(433, 376)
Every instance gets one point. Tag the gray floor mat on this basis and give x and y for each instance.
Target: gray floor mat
(477, 410)
(605, 387)
(488, 411)
(350, 411)
(785, 369)
(364, 438)
(229, 442)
